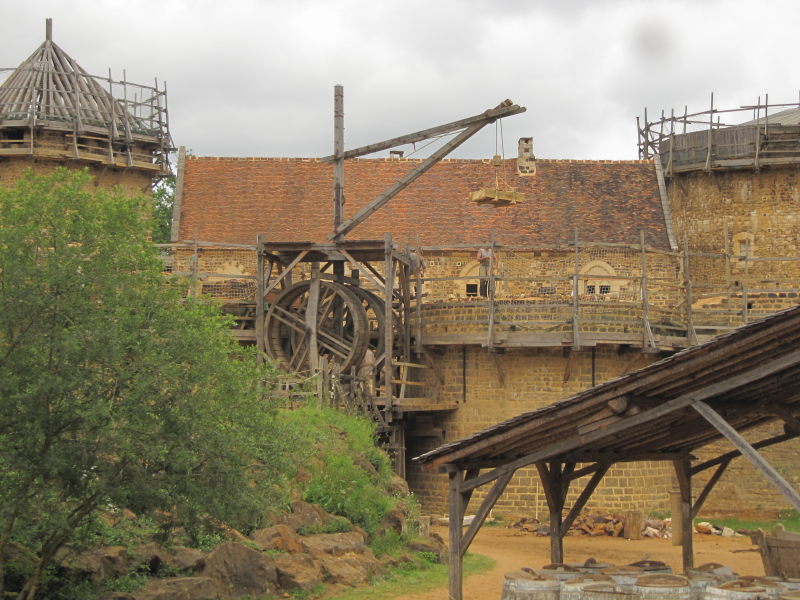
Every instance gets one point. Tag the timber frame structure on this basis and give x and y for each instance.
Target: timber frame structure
(51, 108)
(701, 141)
(329, 316)
(712, 391)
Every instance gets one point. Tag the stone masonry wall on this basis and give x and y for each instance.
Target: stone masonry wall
(130, 180)
(759, 208)
(531, 378)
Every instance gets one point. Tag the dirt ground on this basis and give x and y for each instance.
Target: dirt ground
(513, 549)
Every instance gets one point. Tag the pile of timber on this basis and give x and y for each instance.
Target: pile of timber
(631, 525)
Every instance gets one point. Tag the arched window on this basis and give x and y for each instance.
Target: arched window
(471, 286)
(597, 278)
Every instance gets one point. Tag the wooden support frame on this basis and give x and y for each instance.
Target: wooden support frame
(684, 476)
(701, 499)
(627, 422)
(474, 125)
(311, 318)
(456, 513)
(260, 293)
(649, 342)
(286, 274)
(576, 303)
(748, 451)
(505, 109)
(492, 283)
(338, 156)
(381, 285)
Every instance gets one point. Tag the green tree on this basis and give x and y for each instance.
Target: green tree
(115, 388)
(163, 201)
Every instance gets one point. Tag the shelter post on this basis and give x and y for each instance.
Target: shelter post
(683, 472)
(456, 518)
(555, 492)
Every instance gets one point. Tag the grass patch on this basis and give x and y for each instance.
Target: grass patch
(789, 518)
(402, 581)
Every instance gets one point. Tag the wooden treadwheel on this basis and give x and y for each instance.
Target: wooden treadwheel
(341, 320)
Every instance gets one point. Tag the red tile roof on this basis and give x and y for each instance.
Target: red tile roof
(234, 199)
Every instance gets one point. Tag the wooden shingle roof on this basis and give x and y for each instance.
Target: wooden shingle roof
(290, 200)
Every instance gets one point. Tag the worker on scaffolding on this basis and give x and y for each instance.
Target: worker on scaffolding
(484, 268)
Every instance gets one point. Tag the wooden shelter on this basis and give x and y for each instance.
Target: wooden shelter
(716, 390)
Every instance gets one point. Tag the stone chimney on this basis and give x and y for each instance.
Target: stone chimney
(526, 161)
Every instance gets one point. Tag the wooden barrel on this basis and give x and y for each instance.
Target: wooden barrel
(721, 573)
(624, 575)
(663, 586)
(772, 588)
(590, 565)
(526, 584)
(608, 591)
(572, 589)
(653, 567)
(698, 583)
(559, 571)
(735, 590)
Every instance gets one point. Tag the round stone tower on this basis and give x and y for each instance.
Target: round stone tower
(732, 178)
(54, 113)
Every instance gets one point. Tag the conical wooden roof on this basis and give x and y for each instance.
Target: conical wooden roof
(50, 89)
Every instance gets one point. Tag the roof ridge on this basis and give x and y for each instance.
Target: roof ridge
(392, 159)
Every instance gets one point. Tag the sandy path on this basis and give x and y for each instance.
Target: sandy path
(512, 549)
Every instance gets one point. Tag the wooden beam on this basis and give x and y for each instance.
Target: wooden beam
(684, 477)
(734, 453)
(554, 492)
(698, 504)
(338, 156)
(456, 518)
(749, 452)
(623, 423)
(388, 337)
(311, 315)
(286, 272)
(466, 495)
(378, 284)
(492, 305)
(504, 109)
(791, 420)
(483, 511)
(600, 471)
(260, 293)
(409, 178)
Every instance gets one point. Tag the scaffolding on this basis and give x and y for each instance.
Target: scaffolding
(748, 137)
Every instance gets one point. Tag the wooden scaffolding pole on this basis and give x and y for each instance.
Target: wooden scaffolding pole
(338, 155)
(260, 293)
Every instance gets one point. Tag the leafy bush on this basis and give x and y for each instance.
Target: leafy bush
(342, 488)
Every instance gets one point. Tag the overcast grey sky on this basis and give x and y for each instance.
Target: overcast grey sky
(256, 77)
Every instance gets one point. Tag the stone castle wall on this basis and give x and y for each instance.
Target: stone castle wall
(757, 213)
(130, 180)
(493, 387)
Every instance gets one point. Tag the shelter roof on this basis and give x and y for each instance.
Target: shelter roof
(749, 376)
(234, 199)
